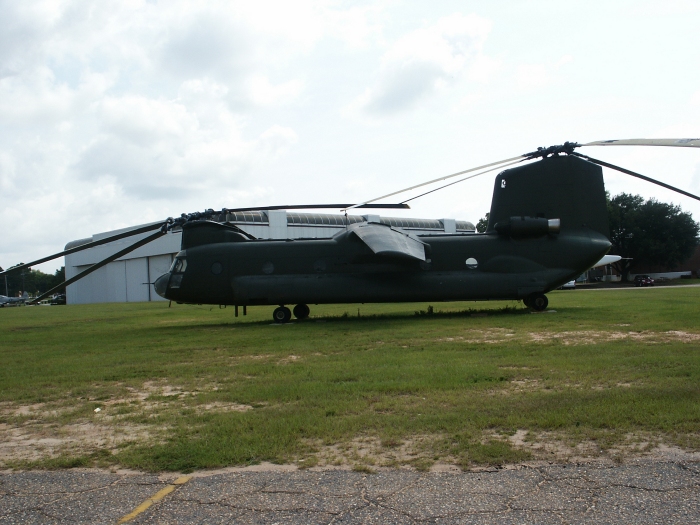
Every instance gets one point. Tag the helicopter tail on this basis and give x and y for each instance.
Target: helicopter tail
(559, 187)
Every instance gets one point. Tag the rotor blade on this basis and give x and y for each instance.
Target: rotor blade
(100, 264)
(638, 175)
(85, 246)
(465, 178)
(679, 143)
(401, 206)
(363, 204)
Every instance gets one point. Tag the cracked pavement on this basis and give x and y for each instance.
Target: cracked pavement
(637, 492)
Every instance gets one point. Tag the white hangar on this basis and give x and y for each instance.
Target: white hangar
(130, 278)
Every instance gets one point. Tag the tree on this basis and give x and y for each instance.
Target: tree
(650, 232)
(33, 281)
(482, 224)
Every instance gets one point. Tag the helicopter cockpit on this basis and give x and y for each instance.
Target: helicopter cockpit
(176, 272)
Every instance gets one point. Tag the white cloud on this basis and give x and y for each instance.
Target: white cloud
(303, 23)
(483, 68)
(209, 44)
(427, 60)
(263, 93)
(143, 120)
(534, 76)
(276, 140)
(530, 76)
(157, 149)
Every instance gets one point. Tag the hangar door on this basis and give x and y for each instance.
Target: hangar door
(136, 280)
(157, 266)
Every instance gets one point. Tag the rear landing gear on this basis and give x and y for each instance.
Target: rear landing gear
(536, 301)
(301, 311)
(281, 315)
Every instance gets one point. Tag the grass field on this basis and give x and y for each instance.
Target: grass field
(609, 373)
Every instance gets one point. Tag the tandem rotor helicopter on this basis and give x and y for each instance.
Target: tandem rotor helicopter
(547, 225)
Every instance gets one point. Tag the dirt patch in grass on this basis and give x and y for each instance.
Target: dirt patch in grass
(38, 432)
(224, 407)
(488, 336)
(523, 385)
(365, 452)
(257, 357)
(34, 442)
(559, 448)
(570, 337)
(440, 453)
(288, 359)
(591, 337)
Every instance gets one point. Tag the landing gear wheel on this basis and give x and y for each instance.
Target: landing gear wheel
(301, 311)
(526, 301)
(537, 301)
(282, 315)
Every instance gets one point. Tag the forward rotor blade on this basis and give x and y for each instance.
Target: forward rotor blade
(678, 143)
(100, 264)
(638, 175)
(364, 204)
(86, 246)
(400, 206)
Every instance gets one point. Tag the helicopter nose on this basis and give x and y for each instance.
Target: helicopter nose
(161, 284)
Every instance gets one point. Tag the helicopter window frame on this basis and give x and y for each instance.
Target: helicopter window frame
(179, 265)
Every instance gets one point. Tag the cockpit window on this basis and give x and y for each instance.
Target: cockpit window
(179, 265)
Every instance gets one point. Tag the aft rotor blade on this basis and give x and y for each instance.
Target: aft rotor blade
(88, 245)
(100, 264)
(677, 143)
(363, 204)
(465, 178)
(638, 175)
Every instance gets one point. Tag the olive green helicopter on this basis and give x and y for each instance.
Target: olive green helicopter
(547, 225)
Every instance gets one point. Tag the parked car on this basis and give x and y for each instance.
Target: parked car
(571, 285)
(643, 280)
(58, 299)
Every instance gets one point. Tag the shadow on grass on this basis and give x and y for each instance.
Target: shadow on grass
(346, 317)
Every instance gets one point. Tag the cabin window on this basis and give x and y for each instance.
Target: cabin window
(217, 268)
(179, 265)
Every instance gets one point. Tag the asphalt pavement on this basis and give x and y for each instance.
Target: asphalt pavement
(638, 492)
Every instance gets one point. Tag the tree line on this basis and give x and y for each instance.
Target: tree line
(31, 281)
(650, 233)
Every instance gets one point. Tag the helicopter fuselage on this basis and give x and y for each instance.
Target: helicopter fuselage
(344, 270)
(547, 224)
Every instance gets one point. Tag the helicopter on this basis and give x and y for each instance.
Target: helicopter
(547, 224)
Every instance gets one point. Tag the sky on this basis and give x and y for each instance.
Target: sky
(114, 114)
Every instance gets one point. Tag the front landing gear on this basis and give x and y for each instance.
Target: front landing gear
(536, 301)
(281, 315)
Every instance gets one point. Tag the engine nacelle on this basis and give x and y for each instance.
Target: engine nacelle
(519, 227)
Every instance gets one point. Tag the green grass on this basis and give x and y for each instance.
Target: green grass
(451, 382)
